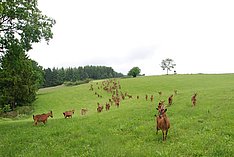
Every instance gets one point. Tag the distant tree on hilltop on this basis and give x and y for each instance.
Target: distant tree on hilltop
(168, 64)
(134, 71)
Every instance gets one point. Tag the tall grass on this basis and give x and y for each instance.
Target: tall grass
(204, 130)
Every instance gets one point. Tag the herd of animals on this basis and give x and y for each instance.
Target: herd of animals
(114, 88)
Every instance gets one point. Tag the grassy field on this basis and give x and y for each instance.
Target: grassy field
(204, 130)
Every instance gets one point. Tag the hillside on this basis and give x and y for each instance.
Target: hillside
(204, 130)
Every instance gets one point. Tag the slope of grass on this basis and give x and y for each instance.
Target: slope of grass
(205, 130)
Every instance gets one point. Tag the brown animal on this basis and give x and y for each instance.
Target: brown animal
(161, 105)
(170, 99)
(83, 111)
(42, 117)
(99, 108)
(152, 98)
(123, 97)
(162, 123)
(193, 99)
(146, 97)
(107, 106)
(68, 113)
(117, 102)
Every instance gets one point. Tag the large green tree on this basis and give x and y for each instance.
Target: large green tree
(134, 71)
(22, 22)
(168, 64)
(21, 25)
(20, 78)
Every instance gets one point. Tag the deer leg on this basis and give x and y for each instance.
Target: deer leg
(163, 135)
(157, 130)
(166, 134)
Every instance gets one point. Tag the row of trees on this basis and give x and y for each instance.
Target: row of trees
(55, 76)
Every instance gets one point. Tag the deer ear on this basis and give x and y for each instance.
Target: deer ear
(165, 110)
(156, 108)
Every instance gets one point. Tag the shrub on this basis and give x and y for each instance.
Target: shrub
(68, 83)
(7, 108)
(24, 110)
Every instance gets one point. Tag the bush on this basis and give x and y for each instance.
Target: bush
(68, 83)
(24, 110)
(7, 108)
(19, 112)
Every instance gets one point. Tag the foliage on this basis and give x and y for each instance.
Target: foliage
(21, 25)
(20, 78)
(6, 108)
(20, 112)
(21, 22)
(167, 64)
(76, 83)
(134, 71)
(55, 76)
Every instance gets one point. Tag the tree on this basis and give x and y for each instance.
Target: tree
(22, 22)
(20, 78)
(55, 76)
(21, 25)
(134, 71)
(167, 64)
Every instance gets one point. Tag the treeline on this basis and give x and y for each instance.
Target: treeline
(57, 76)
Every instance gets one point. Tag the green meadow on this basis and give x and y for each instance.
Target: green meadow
(204, 130)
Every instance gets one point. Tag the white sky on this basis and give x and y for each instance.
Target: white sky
(197, 34)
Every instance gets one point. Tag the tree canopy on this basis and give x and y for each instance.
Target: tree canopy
(55, 76)
(167, 64)
(23, 23)
(134, 71)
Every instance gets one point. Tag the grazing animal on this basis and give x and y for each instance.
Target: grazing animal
(162, 123)
(170, 99)
(152, 98)
(99, 108)
(123, 97)
(107, 106)
(193, 99)
(83, 111)
(68, 113)
(161, 105)
(117, 102)
(42, 117)
(137, 96)
(146, 97)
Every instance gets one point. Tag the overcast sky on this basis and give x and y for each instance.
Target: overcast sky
(197, 34)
